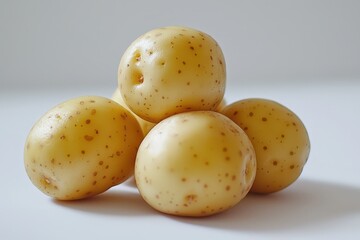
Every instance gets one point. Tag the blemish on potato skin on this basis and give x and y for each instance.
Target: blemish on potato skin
(189, 199)
(88, 138)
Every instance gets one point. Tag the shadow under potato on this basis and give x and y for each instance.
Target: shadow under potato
(113, 202)
(305, 203)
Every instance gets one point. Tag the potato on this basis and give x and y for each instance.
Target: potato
(221, 106)
(280, 140)
(81, 148)
(195, 164)
(145, 125)
(171, 70)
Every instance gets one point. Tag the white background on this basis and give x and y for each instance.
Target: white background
(81, 42)
(303, 54)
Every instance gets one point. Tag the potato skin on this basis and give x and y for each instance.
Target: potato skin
(146, 126)
(195, 164)
(280, 139)
(221, 106)
(171, 70)
(81, 148)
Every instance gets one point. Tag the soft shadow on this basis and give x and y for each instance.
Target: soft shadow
(307, 203)
(116, 202)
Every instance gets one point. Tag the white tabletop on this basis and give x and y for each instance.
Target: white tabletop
(323, 204)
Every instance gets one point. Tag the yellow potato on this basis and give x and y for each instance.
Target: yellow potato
(280, 140)
(195, 164)
(82, 147)
(171, 70)
(221, 106)
(146, 126)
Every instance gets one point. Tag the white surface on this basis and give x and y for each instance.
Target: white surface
(323, 204)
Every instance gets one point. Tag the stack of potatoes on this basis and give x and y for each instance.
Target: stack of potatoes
(168, 125)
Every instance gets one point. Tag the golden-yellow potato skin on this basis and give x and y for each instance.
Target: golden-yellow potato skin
(221, 106)
(195, 164)
(171, 70)
(81, 148)
(280, 139)
(146, 126)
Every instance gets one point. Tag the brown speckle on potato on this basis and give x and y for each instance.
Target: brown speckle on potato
(88, 138)
(189, 199)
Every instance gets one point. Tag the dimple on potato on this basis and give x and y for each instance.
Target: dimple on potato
(81, 148)
(171, 70)
(195, 164)
(280, 139)
(146, 126)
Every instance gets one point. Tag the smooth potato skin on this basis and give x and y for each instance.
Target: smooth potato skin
(171, 70)
(81, 148)
(221, 106)
(280, 139)
(195, 164)
(146, 126)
